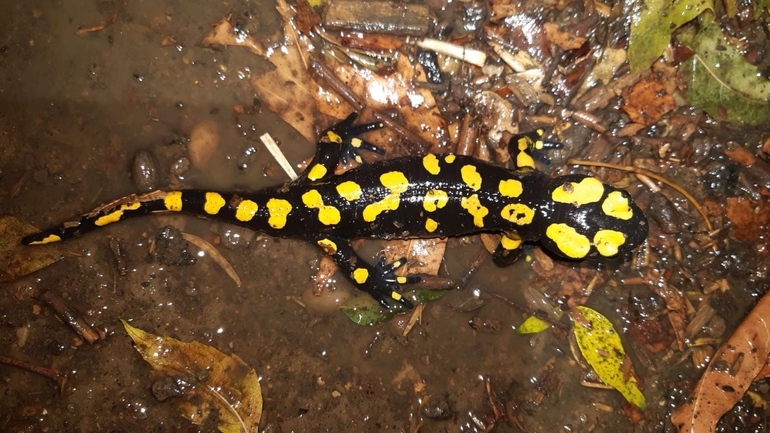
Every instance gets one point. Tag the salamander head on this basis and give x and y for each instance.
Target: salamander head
(591, 218)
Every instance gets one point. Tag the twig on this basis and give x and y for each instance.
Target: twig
(70, 317)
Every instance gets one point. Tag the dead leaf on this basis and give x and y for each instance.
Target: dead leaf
(224, 34)
(564, 40)
(289, 90)
(729, 374)
(213, 380)
(17, 260)
(749, 218)
(423, 256)
(397, 91)
(647, 101)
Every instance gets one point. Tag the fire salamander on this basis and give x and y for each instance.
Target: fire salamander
(435, 195)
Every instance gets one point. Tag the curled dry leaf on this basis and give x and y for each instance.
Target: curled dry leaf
(215, 255)
(204, 141)
(732, 369)
(213, 380)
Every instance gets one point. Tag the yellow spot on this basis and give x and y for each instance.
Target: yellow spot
(313, 199)
(213, 204)
(607, 242)
(246, 210)
(360, 275)
(430, 162)
(397, 183)
(510, 243)
(471, 177)
(475, 208)
(317, 172)
(396, 296)
(431, 225)
(571, 243)
(334, 137)
(435, 199)
(523, 143)
(615, 205)
(278, 209)
(328, 215)
(450, 158)
(356, 142)
(349, 190)
(173, 201)
(372, 211)
(116, 215)
(524, 160)
(109, 218)
(518, 213)
(47, 240)
(588, 190)
(328, 246)
(401, 280)
(510, 188)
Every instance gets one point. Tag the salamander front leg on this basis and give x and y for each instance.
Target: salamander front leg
(379, 281)
(337, 144)
(523, 146)
(507, 251)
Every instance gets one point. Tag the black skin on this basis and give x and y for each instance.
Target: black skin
(406, 220)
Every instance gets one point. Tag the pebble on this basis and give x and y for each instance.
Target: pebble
(144, 171)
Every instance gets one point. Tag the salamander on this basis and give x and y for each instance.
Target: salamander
(435, 195)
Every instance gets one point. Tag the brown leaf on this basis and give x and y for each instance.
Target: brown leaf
(729, 374)
(289, 91)
(16, 260)
(423, 256)
(749, 218)
(565, 40)
(397, 90)
(647, 101)
(224, 34)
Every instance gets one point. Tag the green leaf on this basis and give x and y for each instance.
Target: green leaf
(653, 22)
(365, 311)
(763, 4)
(533, 325)
(721, 81)
(602, 349)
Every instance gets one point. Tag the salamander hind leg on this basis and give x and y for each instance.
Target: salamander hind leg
(340, 143)
(379, 281)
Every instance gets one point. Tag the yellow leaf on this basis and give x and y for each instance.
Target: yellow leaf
(602, 349)
(533, 325)
(215, 381)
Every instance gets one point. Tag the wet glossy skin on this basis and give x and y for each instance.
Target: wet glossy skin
(430, 196)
